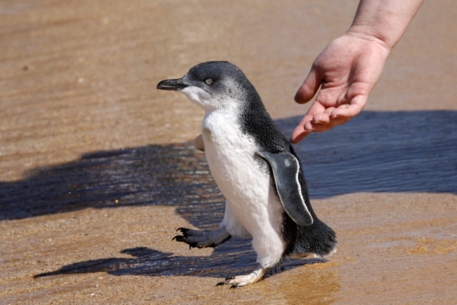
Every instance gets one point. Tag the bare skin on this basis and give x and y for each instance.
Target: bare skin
(350, 66)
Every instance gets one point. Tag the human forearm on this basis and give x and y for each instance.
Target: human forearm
(383, 20)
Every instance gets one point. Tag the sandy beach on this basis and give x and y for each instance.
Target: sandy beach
(98, 168)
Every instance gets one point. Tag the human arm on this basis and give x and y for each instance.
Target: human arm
(349, 67)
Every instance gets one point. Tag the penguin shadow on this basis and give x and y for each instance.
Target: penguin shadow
(411, 151)
(223, 262)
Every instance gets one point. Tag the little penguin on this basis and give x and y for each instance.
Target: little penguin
(256, 169)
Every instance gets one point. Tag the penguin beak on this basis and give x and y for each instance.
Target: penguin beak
(171, 84)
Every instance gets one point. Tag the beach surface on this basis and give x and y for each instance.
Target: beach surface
(98, 168)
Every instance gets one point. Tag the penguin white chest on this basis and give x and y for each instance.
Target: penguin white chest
(239, 173)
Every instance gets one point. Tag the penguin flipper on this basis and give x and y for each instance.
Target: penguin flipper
(285, 168)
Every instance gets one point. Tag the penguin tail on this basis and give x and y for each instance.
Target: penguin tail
(317, 238)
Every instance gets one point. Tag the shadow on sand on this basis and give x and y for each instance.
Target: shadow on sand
(375, 152)
(233, 258)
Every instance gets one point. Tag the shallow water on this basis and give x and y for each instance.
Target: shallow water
(98, 169)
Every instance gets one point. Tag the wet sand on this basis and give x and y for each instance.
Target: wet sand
(98, 169)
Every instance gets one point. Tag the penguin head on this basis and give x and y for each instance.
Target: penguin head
(212, 85)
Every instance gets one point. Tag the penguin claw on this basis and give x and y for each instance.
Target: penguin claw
(243, 280)
(183, 239)
(227, 282)
(201, 239)
(179, 238)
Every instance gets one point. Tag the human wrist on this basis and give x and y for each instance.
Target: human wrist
(368, 35)
(383, 21)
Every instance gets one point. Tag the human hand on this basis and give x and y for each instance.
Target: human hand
(346, 71)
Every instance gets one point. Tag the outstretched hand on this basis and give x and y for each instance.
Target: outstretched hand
(346, 71)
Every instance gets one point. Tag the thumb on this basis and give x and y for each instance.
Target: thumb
(309, 87)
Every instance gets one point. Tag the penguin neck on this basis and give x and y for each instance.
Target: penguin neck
(256, 122)
(224, 107)
(221, 128)
(221, 117)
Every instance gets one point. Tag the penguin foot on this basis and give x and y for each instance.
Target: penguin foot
(202, 239)
(243, 280)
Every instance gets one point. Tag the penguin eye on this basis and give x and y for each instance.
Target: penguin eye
(209, 81)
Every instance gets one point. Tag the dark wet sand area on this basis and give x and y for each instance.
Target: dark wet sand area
(98, 168)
